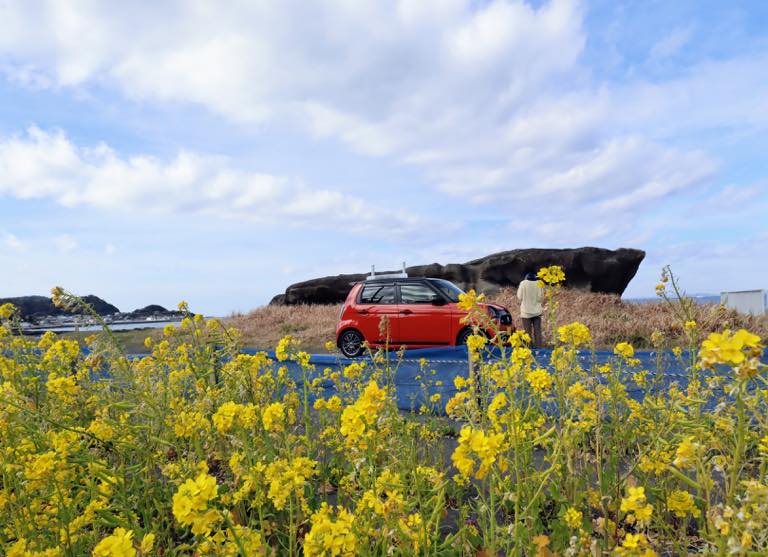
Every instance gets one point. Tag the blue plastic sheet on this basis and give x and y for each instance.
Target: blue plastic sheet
(425, 372)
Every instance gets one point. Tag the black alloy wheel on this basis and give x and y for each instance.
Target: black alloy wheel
(351, 343)
(463, 336)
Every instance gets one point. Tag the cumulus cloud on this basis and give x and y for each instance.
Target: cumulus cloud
(491, 100)
(43, 164)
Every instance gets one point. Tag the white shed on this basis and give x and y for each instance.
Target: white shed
(745, 301)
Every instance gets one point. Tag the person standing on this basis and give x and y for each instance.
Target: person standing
(529, 294)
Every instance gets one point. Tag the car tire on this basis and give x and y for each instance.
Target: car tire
(351, 343)
(465, 333)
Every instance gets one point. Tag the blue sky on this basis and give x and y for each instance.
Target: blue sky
(152, 152)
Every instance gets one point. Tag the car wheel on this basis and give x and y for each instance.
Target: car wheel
(463, 336)
(351, 343)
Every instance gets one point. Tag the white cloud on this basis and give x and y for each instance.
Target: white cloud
(492, 100)
(12, 242)
(670, 44)
(109, 249)
(45, 164)
(65, 243)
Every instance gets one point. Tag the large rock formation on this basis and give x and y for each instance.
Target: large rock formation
(36, 307)
(593, 269)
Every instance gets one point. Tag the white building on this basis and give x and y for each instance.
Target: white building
(745, 301)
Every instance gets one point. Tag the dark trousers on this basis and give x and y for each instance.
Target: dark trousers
(532, 326)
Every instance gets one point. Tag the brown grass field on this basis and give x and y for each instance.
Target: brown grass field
(610, 319)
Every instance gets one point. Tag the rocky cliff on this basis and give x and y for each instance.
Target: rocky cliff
(35, 307)
(588, 268)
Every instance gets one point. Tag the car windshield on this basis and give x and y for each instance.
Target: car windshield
(448, 288)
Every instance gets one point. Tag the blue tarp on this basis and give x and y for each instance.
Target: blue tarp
(442, 365)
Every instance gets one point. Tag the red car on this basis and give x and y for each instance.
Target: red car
(422, 312)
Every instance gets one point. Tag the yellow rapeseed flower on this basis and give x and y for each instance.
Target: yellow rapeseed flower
(7, 310)
(681, 502)
(686, 453)
(469, 300)
(331, 537)
(286, 477)
(476, 445)
(188, 423)
(624, 349)
(635, 505)
(575, 334)
(729, 348)
(551, 275)
(274, 416)
(475, 343)
(573, 518)
(283, 347)
(147, 543)
(118, 544)
(190, 503)
(540, 381)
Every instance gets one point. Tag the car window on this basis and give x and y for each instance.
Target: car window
(448, 288)
(416, 294)
(378, 294)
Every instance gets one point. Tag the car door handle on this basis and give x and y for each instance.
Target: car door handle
(406, 312)
(362, 311)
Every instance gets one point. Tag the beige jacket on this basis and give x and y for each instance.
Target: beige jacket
(529, 295)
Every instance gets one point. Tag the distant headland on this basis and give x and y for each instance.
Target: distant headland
(39, 312)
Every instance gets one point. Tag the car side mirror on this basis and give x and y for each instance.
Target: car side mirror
(438, 301)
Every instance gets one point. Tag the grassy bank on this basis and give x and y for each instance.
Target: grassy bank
(610, 319)
(131, 340)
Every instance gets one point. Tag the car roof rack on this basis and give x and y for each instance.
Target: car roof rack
(387, 274)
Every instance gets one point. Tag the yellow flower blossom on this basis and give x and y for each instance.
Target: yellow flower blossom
(636, 506)
(190, 503)
(475, 343)
(686, 453)
(274, 417)
(540, 381)
(329, 536)
(287, 477)
(469, 300)
(635, 545)
(575, 334)
(551, 275)
(624, 349)
(729, 348)
(358, 419)
(147, 543)
(476, 448)
(118, 544)
(681, 502)
(7, 311)
(284, 346)
(573, 518)
(189, 423)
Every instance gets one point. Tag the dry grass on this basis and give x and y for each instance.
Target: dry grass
(263, 327)
(610, 319)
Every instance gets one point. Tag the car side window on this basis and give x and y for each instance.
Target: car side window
(378, 294)
(417, 294)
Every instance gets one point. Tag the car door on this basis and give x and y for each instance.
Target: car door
(378, 301)
(422, 321)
